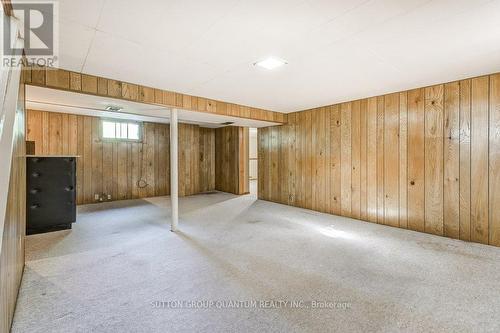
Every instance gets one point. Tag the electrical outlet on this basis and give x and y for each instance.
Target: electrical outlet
(96, 197)
(109, 196)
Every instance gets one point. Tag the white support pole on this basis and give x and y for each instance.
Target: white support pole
(174, 194)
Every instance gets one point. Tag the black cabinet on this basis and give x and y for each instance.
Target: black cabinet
(51, 193)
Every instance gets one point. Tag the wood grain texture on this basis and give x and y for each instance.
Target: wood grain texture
(363, 159)
(371, 168)
(356, 159)
(434, 160)
(13, 237)
(494, 155)
(89, 84)
(451, 160)
(403, 160)
(114, 168)
(479, 159)
(391, 160)
(346, 158)
(428, 159)
(380, 159)
(335, 160)
(231, 160)
(416, 160)
(465, 158)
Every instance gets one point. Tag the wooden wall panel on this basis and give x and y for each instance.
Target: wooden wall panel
(356, 159)
(114, 168)
(34, 129)
(122, 175)
(80, 195)
(403, 160)
(207, 160)
(465, 155)
(86, 158)
(273, 162)
(302, 160)
(391, 160)
(283, 150)
(494, 171)
(380, 159)
(243, 160)
(231, 159)
(335, 160)
(307, 163)
(479, 159)
(416, 158)
(363, 159)
(427, 159)
(371, 167)
(290, 161)
(14, 223)
(345, 158)
(434, 160)
(325, 152)
(451, 160)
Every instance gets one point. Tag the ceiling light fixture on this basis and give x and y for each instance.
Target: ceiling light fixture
(270, 63)
(113, 108)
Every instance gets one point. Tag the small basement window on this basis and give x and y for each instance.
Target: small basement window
(121, 130)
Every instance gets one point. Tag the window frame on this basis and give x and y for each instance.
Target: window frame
(121, 121)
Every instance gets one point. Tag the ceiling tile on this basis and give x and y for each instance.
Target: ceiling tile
(336, 50)
(73, 51)
(84, 12)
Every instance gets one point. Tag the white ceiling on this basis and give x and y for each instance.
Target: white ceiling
(52, 100)
(337, 50)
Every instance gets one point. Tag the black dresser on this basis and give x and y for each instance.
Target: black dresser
(51, 193)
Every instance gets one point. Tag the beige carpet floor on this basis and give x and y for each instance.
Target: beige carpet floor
(243, 265)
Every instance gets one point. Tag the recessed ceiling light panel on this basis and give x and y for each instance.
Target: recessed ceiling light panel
(271, 63)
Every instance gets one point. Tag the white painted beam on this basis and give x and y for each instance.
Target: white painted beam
(174, 188)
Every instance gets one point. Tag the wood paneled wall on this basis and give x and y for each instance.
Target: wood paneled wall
(93, 85)
(110, 167)
(12, 251)
(231, 159)
(196, 159)
(426, 159)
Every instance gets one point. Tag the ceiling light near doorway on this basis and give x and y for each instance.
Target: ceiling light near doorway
(270, 63)
(113, 108)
